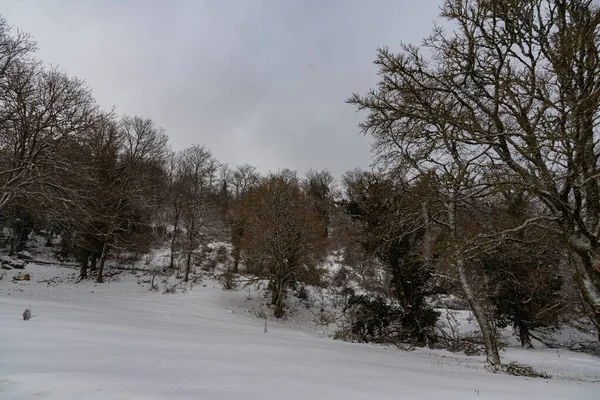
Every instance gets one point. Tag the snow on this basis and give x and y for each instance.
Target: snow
(119, 340)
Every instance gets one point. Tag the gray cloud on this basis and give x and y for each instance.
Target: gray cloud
(256, 81)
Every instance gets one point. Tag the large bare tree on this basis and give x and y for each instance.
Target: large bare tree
(40, 111)
(518, 83)
(118, 185)
(283, 240)
(242, 179)
(197, 174)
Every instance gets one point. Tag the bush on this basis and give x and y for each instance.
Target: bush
(222, 254)
(373, 319)
(27, 314)
(340, 278)
(303, 293)
(209, 265)
(514, 368)
(227, 279)
(325, 317)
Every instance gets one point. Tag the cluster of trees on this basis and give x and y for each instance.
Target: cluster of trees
(282, 235)
(68, 167)
(109, 186)
(101, 183)
(502, 113)
(486, 142)
(403, 242)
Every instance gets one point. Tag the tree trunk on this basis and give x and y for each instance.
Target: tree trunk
(190, 249)
(94, 262)
(274, 291)
(524, 336)
(50, 238)
(22, 238)
(173, 241)
(492, 355)
(12, 249)
(100, 277)
(188, 265)
(236, 259)
(280, 300)
(236, 240)
(587, 276)
(83, 269)
(428, 236)
(588, 281)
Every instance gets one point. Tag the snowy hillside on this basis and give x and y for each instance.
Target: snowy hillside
(120, 340)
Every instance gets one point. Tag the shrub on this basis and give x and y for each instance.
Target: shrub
(222, 254)
(303, 293)
(227, 279)
(209, 265)
(27, 314)
(514, 368)
(373, 319)
(340, 278)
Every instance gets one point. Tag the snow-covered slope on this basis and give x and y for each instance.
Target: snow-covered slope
(119, 340)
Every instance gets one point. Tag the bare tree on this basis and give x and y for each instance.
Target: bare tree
(40, 110)
(175, 196)
(197, 173)
(431, 148)
(518, 84)
(244, 178)
(391, 235)
(118, 186)
(320, 187)
(283, 240)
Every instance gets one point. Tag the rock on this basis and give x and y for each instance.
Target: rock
(25, 277)
(5, 267)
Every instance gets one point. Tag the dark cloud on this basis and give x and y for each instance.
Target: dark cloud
(262, 82)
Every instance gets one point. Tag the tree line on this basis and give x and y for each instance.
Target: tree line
(485, 184)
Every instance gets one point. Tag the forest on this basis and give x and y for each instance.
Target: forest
(484, 190)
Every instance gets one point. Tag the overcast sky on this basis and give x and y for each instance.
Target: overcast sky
(256, 81)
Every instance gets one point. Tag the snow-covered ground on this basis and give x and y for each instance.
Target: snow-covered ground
(119, 340)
